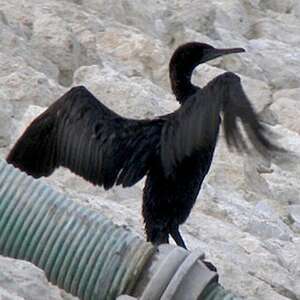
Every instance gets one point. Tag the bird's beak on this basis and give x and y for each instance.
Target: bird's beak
(213, 53)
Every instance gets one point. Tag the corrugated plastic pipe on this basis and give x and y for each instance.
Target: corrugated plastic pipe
(85, 254)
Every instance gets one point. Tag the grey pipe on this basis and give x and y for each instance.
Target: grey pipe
(87, 255)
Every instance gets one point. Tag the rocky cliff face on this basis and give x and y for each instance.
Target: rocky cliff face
(247, 218)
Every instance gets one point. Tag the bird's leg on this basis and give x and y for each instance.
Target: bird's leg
(175, 234)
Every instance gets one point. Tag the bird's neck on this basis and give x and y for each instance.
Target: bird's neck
(182, 87)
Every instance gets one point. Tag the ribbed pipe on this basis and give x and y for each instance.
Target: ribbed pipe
(85, 254)
(80, 250)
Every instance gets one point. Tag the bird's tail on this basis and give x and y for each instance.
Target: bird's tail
(34, 153)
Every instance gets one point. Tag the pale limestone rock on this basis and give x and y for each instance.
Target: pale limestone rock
(265, 229)
(294, 215)
(279, 62)
(232, 16)
(19, 48)
(136, 13)
(196, 15)
(283, 180)
(131, 47)
(9, 295)
(277, 28)
(28, 86)
(294, 212)
(287, 113)
(287, 93)
(254, 180)
(241, 219)
(25, 281)
(53, 37)
(125, 95)
(17, 16)
(6, 113)
(10, 64)
(296, 9)
(281, 6)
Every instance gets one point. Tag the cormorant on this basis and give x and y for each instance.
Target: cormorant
(174, 151)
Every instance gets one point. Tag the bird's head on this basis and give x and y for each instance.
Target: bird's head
(185, 59)
(192, 54)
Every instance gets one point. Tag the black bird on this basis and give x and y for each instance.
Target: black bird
(174, 151)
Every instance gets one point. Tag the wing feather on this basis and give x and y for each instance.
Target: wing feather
(89, 139)
(192, 127)
(195, 125)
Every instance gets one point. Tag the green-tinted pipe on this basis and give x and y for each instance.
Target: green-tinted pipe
(214, 291)
(79, 250)
(85, 254)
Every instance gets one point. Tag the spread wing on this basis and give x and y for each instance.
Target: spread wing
(80, 133)
(237, 107)
(195, 125)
